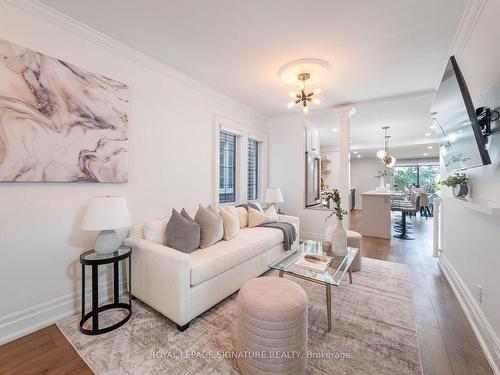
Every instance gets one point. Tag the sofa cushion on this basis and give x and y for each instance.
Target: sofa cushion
(186, 216)
(213, 209)
(256, 218)
(182, 234)
(155, 230)
(212, 227)
(231, 223)
(216, 259)
(242, 214)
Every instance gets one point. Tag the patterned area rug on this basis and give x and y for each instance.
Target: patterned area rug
(373, 332)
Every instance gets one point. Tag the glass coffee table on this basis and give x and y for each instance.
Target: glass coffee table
(331, 277)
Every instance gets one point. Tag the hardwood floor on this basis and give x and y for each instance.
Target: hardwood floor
(447, 343)
(43, 352)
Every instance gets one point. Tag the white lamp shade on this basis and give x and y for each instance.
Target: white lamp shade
(106, 213)
(274, 195)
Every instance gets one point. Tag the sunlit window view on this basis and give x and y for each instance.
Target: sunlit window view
(424, 176)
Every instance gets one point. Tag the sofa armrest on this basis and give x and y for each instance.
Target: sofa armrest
(289, 219)
(296, 223)
(161, 278)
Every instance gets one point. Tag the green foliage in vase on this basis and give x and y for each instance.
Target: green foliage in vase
(385, 173)
(455, 180)
(337, 210)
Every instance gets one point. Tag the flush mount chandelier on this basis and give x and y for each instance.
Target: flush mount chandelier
(297, 72)
(301, 97)
(383, 155)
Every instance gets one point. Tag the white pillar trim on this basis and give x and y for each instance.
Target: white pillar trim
(344, 114)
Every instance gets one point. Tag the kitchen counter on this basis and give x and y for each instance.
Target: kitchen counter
(376, 213)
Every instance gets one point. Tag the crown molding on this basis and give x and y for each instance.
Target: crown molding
(392, 98)
(347, 110)
(468, 21)
(84, 31)
(348, 106)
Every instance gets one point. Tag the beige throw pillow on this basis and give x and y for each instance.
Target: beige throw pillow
(212, 227)
(212, 209)
(155, 231)
(272, 214)
(231, 223)
(256, 218)
(242, 214)
(258, 205)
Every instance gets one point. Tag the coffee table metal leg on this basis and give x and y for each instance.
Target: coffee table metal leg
(329, 305)
(350, 275)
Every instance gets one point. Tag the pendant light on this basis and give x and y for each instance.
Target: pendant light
(383, 155)
(302, 97)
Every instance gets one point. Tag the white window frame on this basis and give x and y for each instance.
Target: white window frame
(243, 133)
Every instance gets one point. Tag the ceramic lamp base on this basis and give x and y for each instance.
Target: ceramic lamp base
(107, 241)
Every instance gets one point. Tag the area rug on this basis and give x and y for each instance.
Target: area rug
(373, 332)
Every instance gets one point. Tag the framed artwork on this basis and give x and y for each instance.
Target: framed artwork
(58, 122)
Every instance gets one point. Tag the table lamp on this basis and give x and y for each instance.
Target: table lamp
(273, 196)
(106, 214)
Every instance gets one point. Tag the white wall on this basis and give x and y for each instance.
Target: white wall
(331, 179)
(470, 240)
(363, 172)
(287, 171)
(171, 164)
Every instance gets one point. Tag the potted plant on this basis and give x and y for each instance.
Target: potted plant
(337, 236)
(459, 183)
(381, 175)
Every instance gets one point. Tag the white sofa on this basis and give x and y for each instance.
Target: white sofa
(182, 286)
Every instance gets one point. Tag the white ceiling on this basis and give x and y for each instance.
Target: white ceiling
(376, 48)
(407, 116)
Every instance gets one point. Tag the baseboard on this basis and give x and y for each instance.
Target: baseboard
(304, 236)
(24, 322)
(489, 342)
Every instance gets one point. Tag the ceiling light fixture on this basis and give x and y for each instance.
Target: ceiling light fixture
(429, 147)
(334, 129)
(298, 72)
(301, 97)
(427, 134)
(383, 155)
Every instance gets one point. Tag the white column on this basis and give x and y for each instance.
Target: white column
(344, 114)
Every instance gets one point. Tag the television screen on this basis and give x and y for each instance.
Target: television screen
(459, 135)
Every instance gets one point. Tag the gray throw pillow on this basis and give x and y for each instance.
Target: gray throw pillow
(182, 234)
(249, 204)
(185, 215)
(211, 227)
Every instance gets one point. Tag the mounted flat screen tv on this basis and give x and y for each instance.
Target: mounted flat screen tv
(461, 141)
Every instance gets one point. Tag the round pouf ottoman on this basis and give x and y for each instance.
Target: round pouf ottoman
(272, 327)
(354, 240)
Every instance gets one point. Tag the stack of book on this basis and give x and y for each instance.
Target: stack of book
(313, 262)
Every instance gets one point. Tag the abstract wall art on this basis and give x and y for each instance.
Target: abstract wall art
(59, 123)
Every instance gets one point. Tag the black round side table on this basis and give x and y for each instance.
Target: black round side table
(94, 259)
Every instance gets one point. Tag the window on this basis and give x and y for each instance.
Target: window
(227, 167)
(253, 169)
(425, 176)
